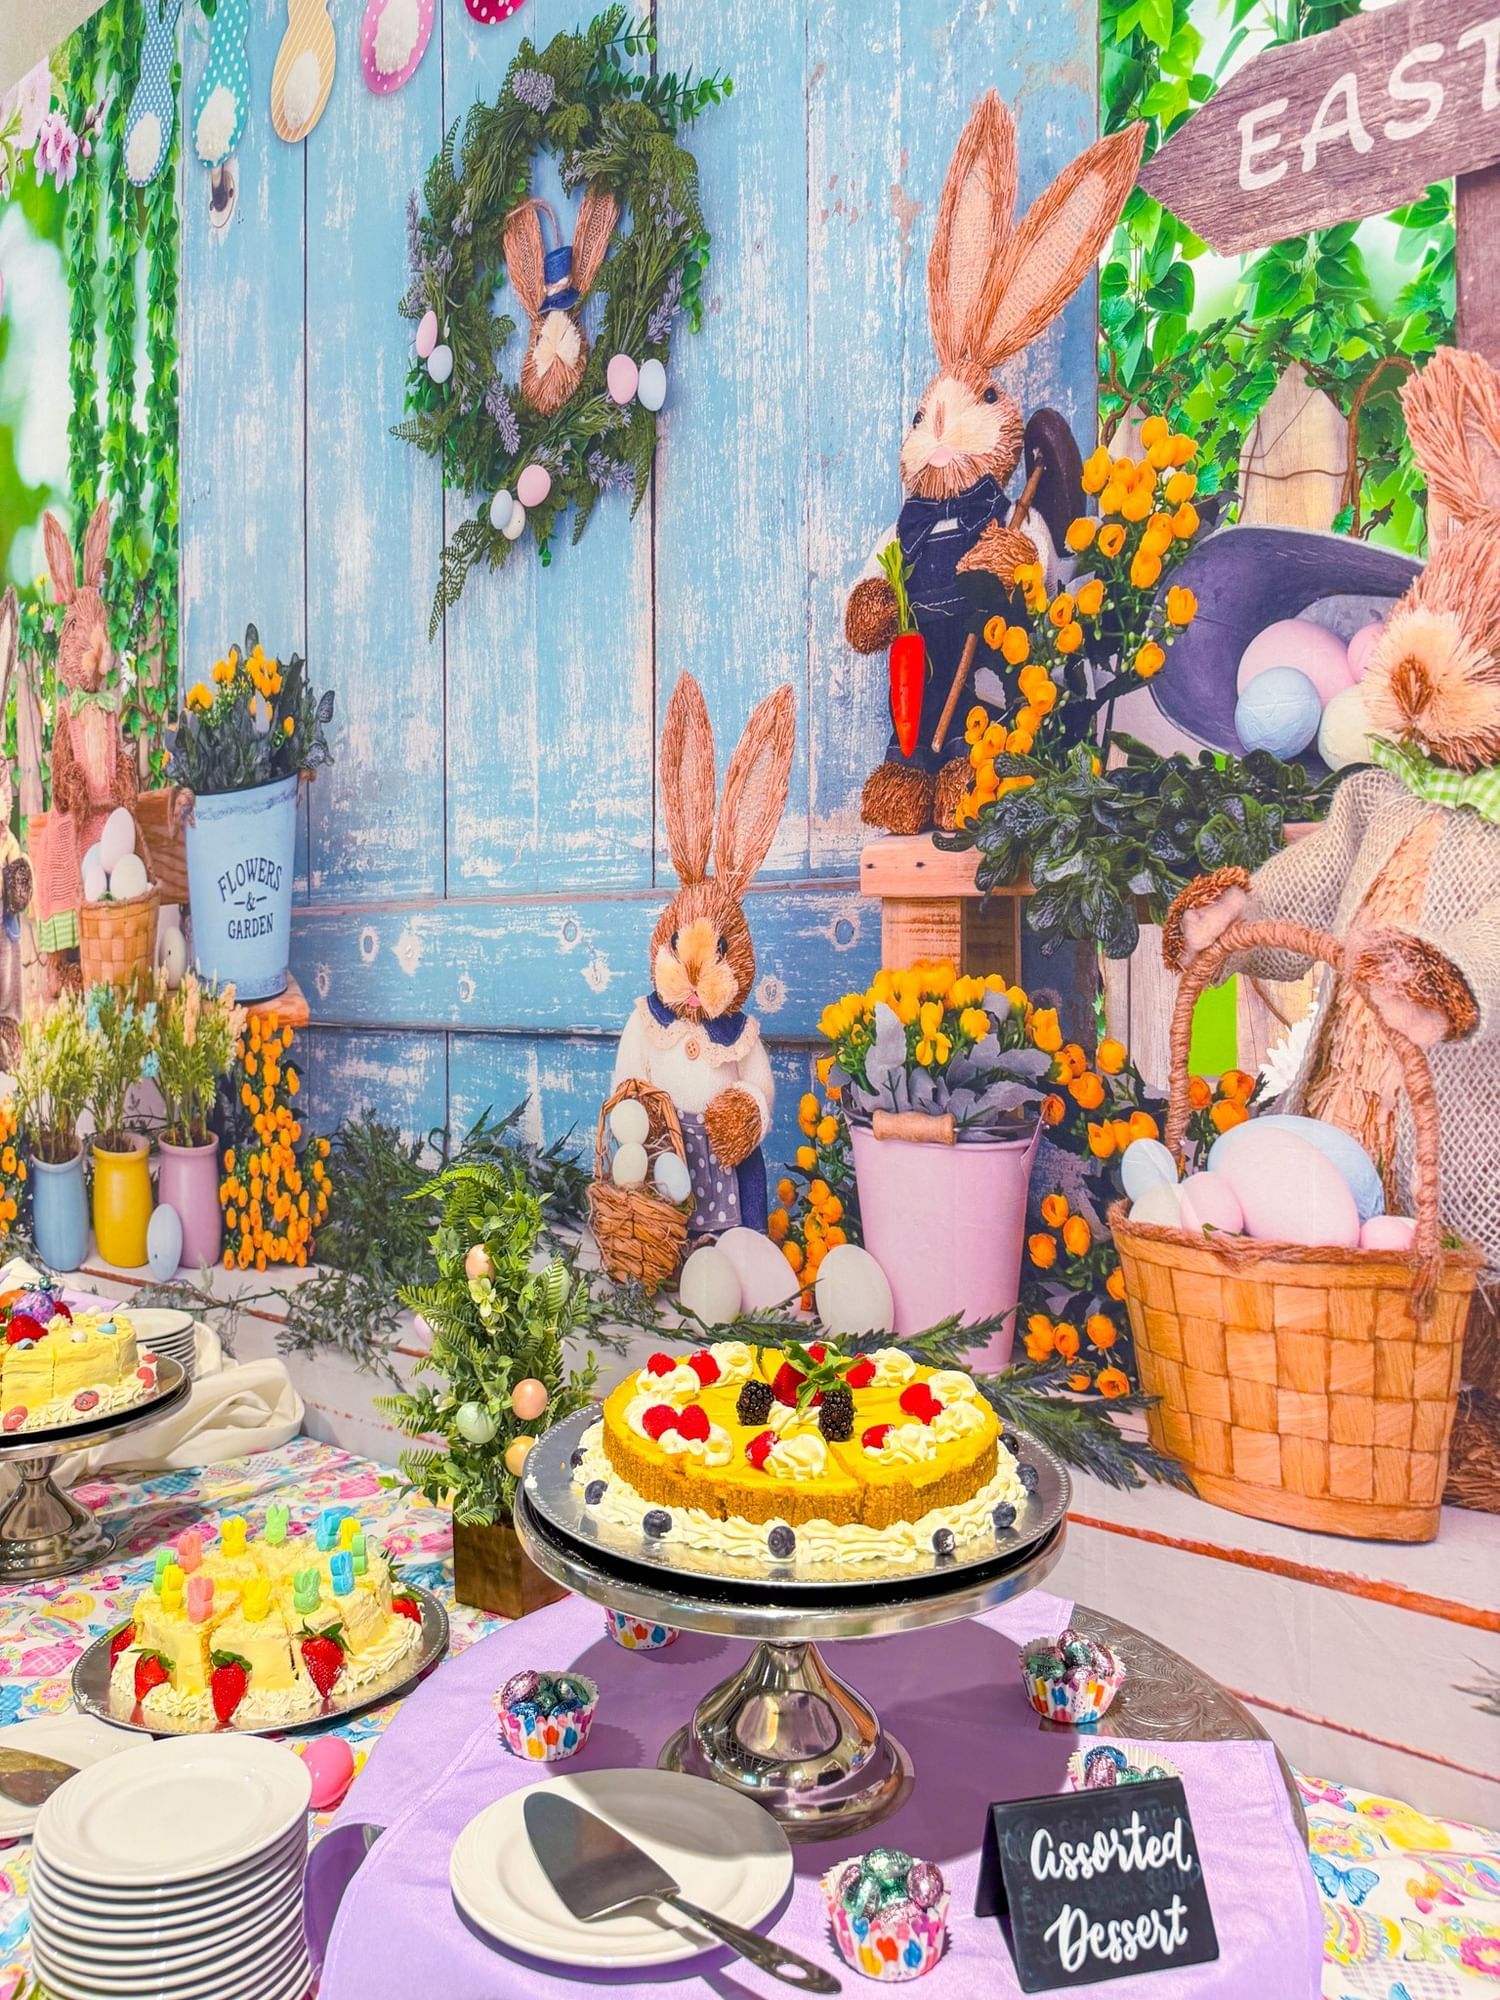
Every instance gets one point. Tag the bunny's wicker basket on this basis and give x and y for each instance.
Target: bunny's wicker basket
(117, 940)
(1308, 1385)
(641, 1235)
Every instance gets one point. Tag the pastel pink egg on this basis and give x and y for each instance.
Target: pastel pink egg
(427, 333)
(528, 1399)
(1362, 649)
(621, 377)
(330, 1766)
(1207, 1201)
(533, 486)
(1297, 642)
(1387, 1232)
(1288, 1191)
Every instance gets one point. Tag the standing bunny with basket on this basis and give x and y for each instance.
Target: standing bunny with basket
(15, 869)
(690, 1036)
(994, 286)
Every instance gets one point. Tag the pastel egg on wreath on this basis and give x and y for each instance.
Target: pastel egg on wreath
(766, 1278)
(630, 1165)
(1279, 712)
(515, 527)
(1290, 1191)
(128, 878)
(330, 1766)
(1362, 649)
(1301, 643)
(534, 484)
(1146, 1163)
(426, 336)
(474, 1423)
(1206, 1202)
(478, 1263)
(853, 1293)
(529, 1398)
(174, 956)
(1387, 1232)
(1340, 1148)
(501, 508)
(1344, 732)
(630, 1122)
(670, 1173)
(710, 1287)
(621, 378)
(516, 1454)
(164, 1242)
(118, 838)
(1159, 1203)
(440, 363)
(95, 884)
(652, 391)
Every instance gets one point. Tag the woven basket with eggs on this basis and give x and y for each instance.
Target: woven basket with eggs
(641, 1229)
(117, 933)
(1302, 1383)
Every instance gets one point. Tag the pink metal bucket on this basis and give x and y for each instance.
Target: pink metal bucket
(946, 1224)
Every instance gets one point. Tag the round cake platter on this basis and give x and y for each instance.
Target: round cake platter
(44, 1532)
(784, 1730)
(91, 1674)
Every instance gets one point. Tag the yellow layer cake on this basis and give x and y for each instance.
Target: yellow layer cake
(83, 1365)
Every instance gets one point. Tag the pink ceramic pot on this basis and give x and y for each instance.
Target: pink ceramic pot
(946, 1224)
(187, 1179)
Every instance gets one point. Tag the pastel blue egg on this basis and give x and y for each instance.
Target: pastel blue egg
(652, 386)
(1343, 1152)
(1279, 711)
(1146, 1163)
(164, 1243)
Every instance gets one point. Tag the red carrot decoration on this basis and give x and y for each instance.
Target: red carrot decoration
(908, 656)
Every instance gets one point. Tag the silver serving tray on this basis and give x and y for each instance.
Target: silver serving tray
(91, 1685)
(554, 1496)
(171, 1387)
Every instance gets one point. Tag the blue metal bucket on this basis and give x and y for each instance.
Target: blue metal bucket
(240, 849)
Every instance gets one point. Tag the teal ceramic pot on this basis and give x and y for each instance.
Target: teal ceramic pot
(60, 1212)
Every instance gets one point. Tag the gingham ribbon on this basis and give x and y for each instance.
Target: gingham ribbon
(1478, 790)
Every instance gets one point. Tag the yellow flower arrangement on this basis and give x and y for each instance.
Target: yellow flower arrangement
(12, 1170)
(275, 1189)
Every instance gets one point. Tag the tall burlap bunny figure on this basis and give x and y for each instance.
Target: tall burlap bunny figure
(690, 1035)
(993, 286)
(1407, 865)
(15, 869)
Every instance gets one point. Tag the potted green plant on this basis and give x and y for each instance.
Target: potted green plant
(499, 1326)
(122, 1032)
(241, 747)
(54, 1076)
(197, 1030)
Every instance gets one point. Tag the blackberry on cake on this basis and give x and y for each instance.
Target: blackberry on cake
(836, 1415)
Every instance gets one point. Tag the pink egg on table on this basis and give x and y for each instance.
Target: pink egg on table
(330, 1766)
(1208, 1202)
(1297, 642)
(1288, 1191)
(621, 377)
(1387, 1232)
(533, 486)
(427, 333)
(1362, 649)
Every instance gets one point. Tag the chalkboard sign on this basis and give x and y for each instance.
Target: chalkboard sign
(1097, 1885)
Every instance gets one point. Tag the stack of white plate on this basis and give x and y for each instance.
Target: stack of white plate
(159, 1331)
(175, 1871)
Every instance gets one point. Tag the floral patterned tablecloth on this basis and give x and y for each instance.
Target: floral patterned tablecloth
(1411, 1905)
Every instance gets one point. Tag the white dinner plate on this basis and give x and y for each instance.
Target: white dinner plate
(723, 1852)
(232, 1956)
(72, 1739)
(174, 1810)
(135, 1931)
(144, 1902)
(283, 1976)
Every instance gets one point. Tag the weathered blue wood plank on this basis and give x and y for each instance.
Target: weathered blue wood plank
(403, 1077)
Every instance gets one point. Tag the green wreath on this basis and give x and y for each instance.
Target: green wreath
(614, 132)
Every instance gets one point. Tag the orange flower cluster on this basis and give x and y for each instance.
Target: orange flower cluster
(809, 1218)
(1215, 1108)
(12, 1170)
(275, 1189)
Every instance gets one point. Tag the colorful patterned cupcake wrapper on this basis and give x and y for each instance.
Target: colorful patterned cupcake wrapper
(546, 1739)
(1077, 1699)
(635, 1635)
(901, 1946)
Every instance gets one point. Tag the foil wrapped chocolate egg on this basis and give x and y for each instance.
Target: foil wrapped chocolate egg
(520, 1687)
(890, 1866)
(924, 1884)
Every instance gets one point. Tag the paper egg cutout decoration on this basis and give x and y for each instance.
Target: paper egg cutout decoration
(164, 1243)
(629, 1168)
(533, 486)
(1362, 649)
(117, 839)
(440, 363)
(426, 334)
(528, 1399)
(1208, 1202)
(1344, 732)
(474, 1422)
(301, 90)
(95, 884)
(128, 878)
(1279, 711)
(853, 1293)
(1297, 642)
(766, 1278)
(652, 390)
(710, 1287)
(330, 1766)
(1343, 1151)
(1146, 1163)
(621, 377)
(174, 957)
(1289, 1191)
(671, 1176)
(515, 527)
(1387, 1232)
(1160, 1204)
(630, 1122)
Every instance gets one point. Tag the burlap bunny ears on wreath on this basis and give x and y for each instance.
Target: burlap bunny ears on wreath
(755, 786)
(552, 285)
(994, 284)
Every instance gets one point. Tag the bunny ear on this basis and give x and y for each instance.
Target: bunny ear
(687, 780)
(96, 546)
(523, 256)
(598, 213)
(1056, 246)
(755, 788)
(59, 559)
(1452, 410)
(10, 622)
(973, 227)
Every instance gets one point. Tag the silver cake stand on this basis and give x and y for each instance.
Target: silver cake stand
(44, 1532)
(784, 1730)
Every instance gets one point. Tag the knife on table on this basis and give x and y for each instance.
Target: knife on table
(596, 1872)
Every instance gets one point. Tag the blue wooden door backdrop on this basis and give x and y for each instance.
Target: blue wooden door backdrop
(481, 866)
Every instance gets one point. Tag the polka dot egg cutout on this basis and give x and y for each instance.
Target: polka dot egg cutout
(1289, 1191)
(1301, 643)
(1279, 711)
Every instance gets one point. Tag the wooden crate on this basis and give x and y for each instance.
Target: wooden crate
(931, 908)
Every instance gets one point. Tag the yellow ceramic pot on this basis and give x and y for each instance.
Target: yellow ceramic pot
(122, 1204)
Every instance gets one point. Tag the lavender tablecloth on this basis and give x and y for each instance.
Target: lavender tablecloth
(952, 1694)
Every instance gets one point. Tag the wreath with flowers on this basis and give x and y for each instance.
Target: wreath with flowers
(579, 420)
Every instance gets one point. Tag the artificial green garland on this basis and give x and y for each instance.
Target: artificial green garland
(611, 128)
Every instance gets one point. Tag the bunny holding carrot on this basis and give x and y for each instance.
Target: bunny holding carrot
(690, 1036)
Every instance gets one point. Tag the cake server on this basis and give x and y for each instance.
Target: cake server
(597, 1872)
(29, 1779)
